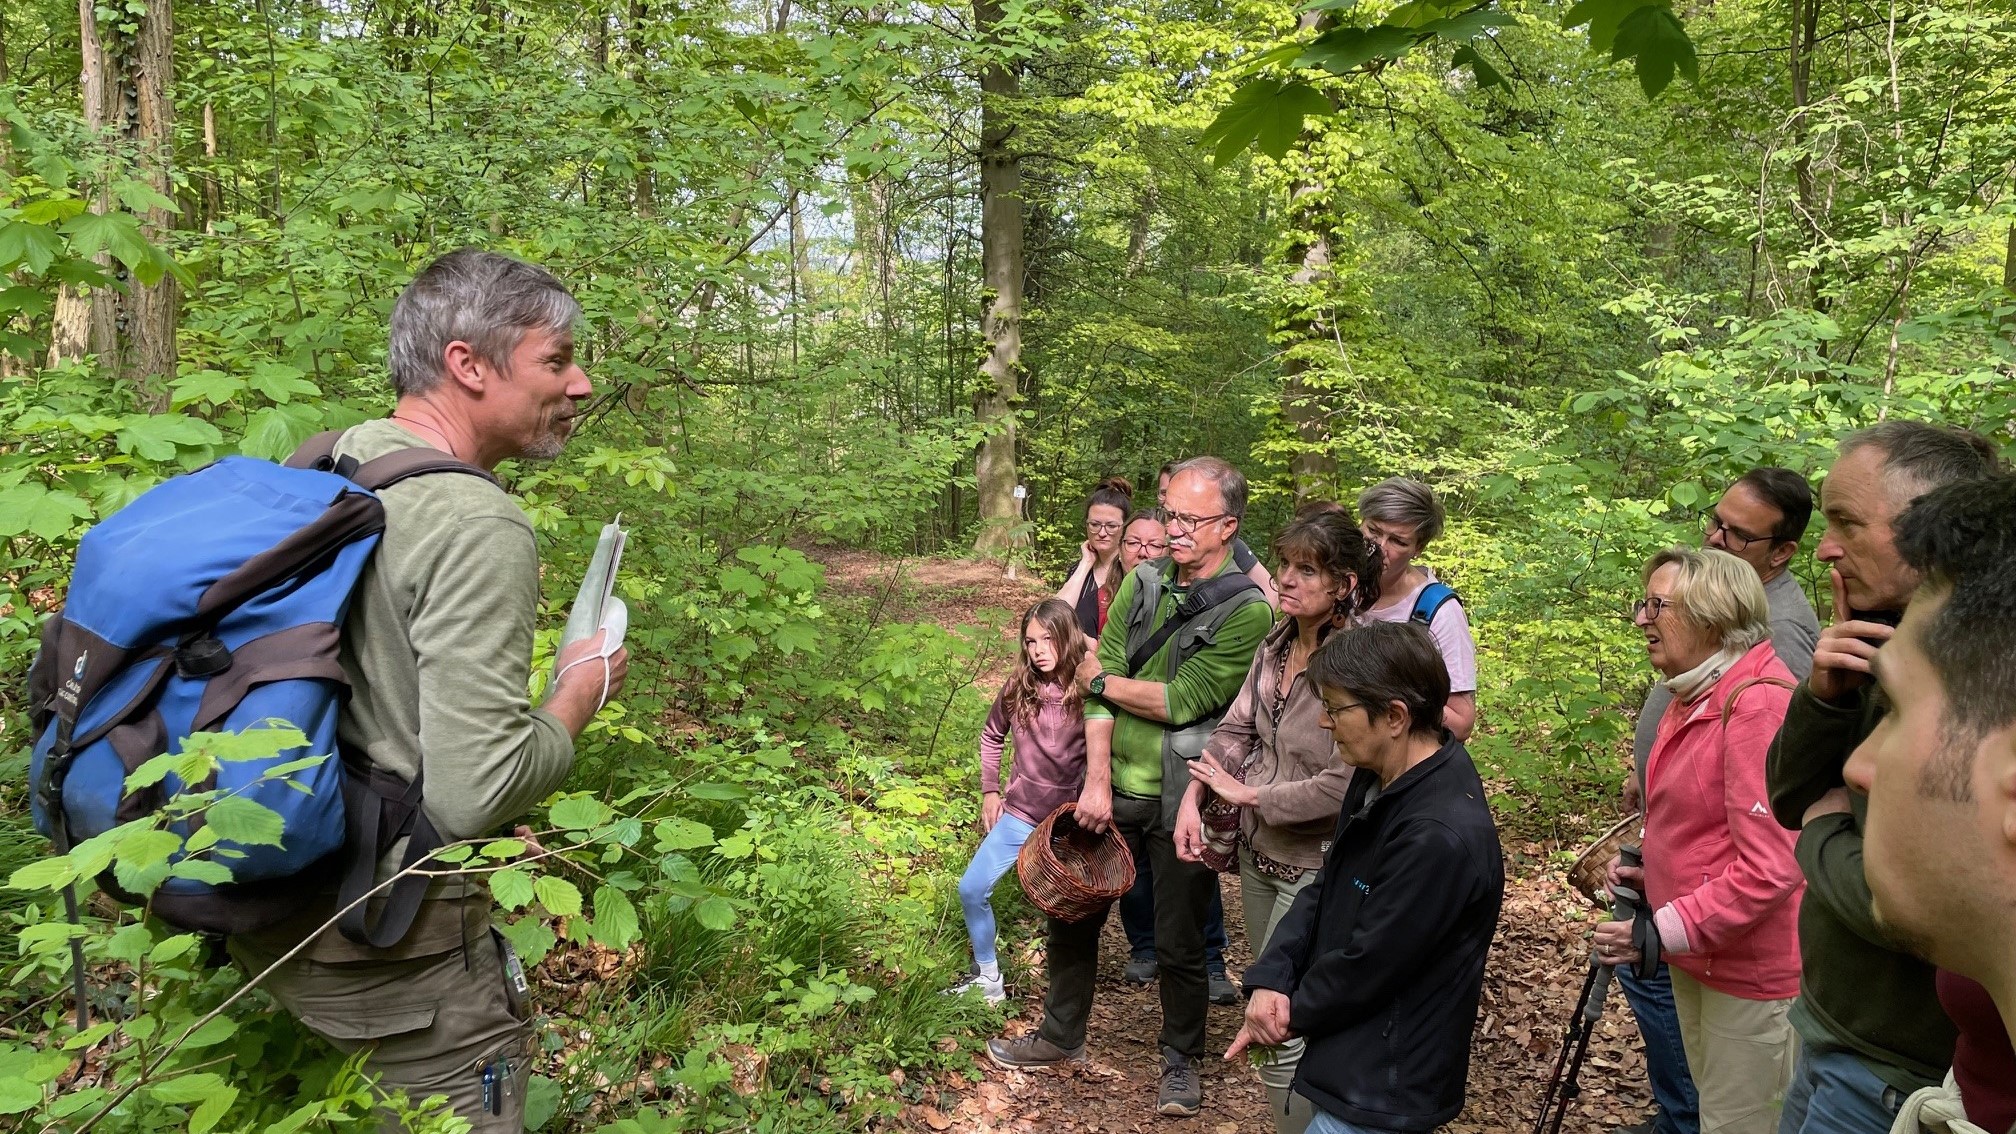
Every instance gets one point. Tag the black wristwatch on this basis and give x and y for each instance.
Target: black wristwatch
(1097, 685)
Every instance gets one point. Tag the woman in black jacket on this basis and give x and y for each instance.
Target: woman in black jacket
(1379, 963)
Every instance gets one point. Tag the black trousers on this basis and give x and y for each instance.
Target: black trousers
(1182, 897)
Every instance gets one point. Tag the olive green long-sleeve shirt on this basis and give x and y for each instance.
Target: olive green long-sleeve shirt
(1203, 685)
(438, 647)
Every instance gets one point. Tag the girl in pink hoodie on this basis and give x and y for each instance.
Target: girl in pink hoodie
(1720, 875)
(1040, 704)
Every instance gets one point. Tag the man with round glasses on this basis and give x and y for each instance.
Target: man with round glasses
(1180, 637)
(1760, 519)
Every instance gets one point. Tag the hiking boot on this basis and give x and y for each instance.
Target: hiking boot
(1141, 969)
(1180, 1096)
(1223, 991)
(1032, 1050)
(993, 991)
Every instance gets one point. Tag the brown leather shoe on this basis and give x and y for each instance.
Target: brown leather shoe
(1031, 1050)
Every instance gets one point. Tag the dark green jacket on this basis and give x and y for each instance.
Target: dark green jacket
(1857, 991)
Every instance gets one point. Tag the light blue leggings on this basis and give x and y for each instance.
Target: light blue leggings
(995, 857)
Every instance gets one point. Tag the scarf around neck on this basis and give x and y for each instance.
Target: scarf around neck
(1689, 686)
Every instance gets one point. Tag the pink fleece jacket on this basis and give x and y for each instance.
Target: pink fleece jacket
(1719, 870)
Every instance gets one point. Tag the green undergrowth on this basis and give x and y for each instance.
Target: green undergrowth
(744, 912)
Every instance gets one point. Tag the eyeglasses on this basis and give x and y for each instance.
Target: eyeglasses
(1102, 525)
(1334, 710)
(1656, 605)
(1144, 546)
(1736, 538)
(1192, 523)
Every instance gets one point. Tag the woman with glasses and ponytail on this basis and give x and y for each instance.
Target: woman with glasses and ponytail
(1090, 588)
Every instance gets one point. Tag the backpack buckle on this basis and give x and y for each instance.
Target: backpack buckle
(201, 659)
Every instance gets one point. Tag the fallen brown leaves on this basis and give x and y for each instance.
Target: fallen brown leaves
(1537, 965)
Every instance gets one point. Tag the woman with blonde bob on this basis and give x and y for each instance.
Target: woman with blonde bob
(1720, 878)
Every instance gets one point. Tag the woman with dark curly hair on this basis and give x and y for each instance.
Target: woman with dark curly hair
(1263, 798)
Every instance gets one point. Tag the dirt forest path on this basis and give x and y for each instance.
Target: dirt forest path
(1537, 964)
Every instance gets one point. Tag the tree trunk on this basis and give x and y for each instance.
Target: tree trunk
(146, 79)
(127, 85)
(1805, 30)
(1001, 275)
(1300, 326)
(1311, 470)
(1140, 230)
(644, 195)
(79, 326)
(213, 189)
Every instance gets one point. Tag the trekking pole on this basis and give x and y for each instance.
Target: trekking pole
(77, 988)
(1564, 1084)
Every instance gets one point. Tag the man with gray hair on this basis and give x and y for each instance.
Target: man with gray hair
(437, 648)
(1187, 628)
(1870, 1027)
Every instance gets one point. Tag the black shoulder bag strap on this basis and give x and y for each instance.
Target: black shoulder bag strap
(379, 807)
(1202, 597)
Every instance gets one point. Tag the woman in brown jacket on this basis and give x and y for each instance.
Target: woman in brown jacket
(1263, 798)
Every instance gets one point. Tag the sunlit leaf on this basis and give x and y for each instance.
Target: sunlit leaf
(1266, 112)
(558, 895)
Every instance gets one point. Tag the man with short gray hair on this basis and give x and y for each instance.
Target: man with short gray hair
(1178, 642)
(437, 649)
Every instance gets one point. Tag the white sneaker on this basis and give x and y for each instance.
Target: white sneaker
(993, 991)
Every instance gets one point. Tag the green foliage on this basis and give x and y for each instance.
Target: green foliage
(1266, 111)
(165, 1015)
(1271, 110)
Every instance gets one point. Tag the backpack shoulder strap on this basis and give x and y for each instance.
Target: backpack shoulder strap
(1220, 590)
(1729, 706)
(1430, 602)
(319, 452)
(383, 472)
(1138, 619)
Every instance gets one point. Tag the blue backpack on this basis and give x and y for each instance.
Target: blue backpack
(214, 603)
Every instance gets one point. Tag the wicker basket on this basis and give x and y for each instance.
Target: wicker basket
(1591, 873)
(1071, 873)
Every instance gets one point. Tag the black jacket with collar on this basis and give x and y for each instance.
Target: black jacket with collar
(1382, 957)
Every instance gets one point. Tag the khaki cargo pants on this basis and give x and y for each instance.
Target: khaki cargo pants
(437, 1018)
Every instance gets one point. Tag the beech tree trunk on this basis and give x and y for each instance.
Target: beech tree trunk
(78, 326)
(1001, 248)
(127, 84)
(644, 195)
(1311, 470)
(1811, 208)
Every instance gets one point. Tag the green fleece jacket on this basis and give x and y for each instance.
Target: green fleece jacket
(1203, 685)
(1857, 991)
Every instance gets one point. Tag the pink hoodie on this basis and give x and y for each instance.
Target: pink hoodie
(1049, 755)
(1719, 870)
